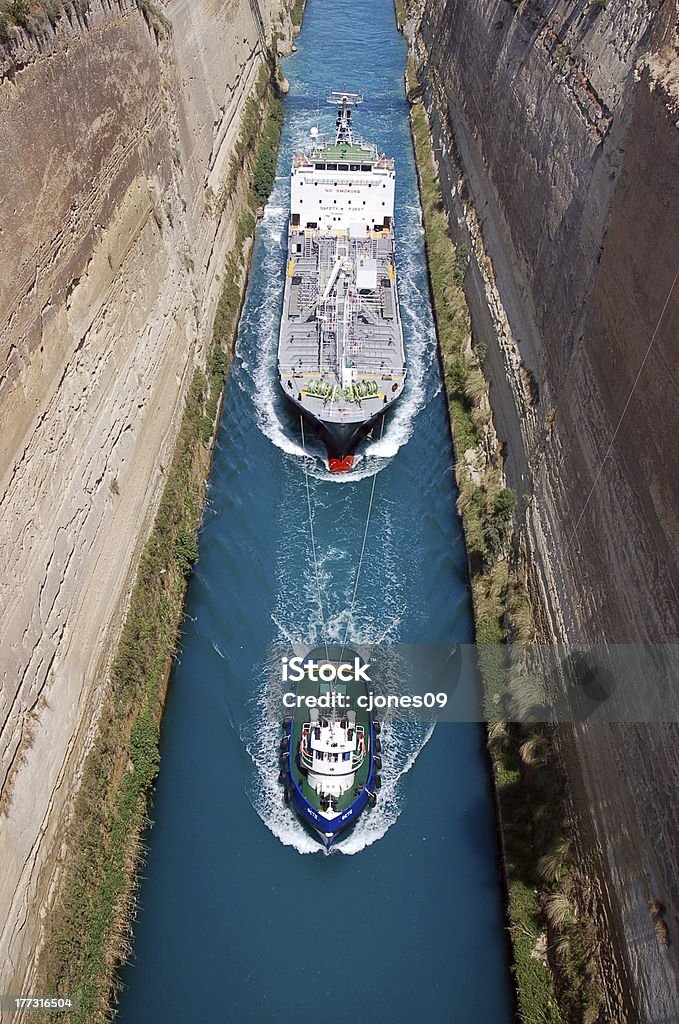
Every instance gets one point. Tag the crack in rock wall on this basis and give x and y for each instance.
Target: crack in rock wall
(115, 139)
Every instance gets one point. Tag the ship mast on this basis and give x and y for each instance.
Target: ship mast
(344, 101)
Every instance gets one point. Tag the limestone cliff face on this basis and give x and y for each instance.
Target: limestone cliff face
(556, 128)
(116, 134)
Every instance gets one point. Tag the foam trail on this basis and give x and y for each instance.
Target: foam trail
(265, 793)
(401, 752)
(297, 615)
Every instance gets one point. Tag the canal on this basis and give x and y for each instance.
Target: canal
(242, 917)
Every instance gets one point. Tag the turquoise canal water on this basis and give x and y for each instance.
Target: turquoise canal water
(242, 917)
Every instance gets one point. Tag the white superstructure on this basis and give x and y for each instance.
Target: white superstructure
(332, 750)
(342, 185)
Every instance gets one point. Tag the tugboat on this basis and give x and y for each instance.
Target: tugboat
(341, 359)
(330, 751)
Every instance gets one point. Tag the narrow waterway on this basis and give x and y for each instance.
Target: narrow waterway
(242, 917)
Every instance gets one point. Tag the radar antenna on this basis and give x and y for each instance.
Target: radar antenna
(344, 101)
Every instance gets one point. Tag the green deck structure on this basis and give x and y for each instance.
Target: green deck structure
(345, 151)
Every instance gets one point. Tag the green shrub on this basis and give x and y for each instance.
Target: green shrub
(504, 504)
(19, 12)
(185, 551)
(265, 164)
(297, 12)
(456, 377)
(144, 753)
(460, 262)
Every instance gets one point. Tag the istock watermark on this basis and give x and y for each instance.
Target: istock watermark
(367, 702)
(477, 683)
(317, 669)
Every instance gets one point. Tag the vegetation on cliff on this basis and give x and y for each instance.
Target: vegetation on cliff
(401, 13)
(485, 504)
(88, 927)
(555, 953)
(34, 16)
(22, 14)
(297, 13)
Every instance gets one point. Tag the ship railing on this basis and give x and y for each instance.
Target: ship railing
(292, 368)
(357, 756)
(307, 761)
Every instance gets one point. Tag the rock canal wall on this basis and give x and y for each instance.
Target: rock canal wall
(118, 129)
(555, 128)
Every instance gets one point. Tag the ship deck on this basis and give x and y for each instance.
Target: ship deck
(346, 151)
(341, 353)
(353, 690)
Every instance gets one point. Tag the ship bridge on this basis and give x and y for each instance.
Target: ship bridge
(344, 182)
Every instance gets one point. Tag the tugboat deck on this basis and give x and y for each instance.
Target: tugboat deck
(352, 690)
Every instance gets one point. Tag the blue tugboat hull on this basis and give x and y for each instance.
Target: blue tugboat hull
(327, 830)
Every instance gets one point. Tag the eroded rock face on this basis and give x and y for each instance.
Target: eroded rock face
(115, 140)
(556, 128)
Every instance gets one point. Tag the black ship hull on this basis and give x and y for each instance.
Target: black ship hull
(340, 439)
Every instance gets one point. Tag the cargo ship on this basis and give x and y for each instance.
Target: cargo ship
(341, 358)
(330, 752)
